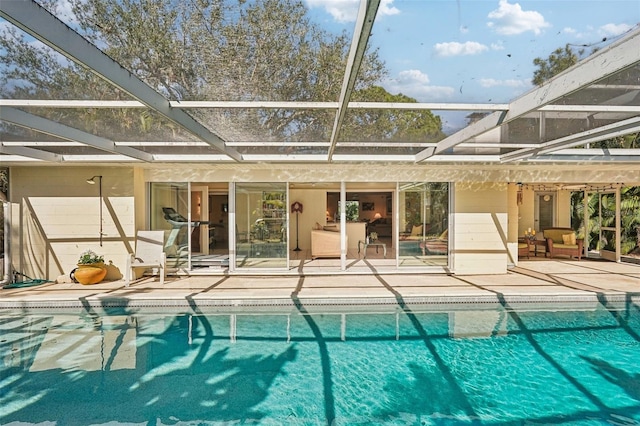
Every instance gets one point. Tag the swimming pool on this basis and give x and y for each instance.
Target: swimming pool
(400, 366)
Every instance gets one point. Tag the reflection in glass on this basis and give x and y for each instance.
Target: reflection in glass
(424, 212)
(168, 211)
(261, 231)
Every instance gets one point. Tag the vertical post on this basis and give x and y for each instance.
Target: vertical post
(100, 200)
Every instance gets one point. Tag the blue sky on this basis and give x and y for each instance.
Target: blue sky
(477, 50)
(471, 51)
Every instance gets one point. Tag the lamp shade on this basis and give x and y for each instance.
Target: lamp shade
(377, 216)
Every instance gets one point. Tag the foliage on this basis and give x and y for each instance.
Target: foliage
(601, 213)
(560, 60)
(564, 58)
(352, 210)
(436, 194)
(235, 50)
(390, 125)
(90, 257)
(631, 141)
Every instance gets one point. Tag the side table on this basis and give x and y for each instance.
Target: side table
(370, 244)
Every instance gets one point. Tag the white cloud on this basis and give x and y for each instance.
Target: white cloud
(614, 29)
(497, 46)
(387, 8)
(491, 82)
(458, 49)
(510, 19)
(347, 10)
(416, 76)
(415, 83)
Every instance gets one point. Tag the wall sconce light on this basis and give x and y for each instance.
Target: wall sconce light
(92, 181)
(519, 196)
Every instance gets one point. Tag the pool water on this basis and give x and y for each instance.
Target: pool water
(399, 367)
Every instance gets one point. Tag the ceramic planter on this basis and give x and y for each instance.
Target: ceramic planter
(91, 273)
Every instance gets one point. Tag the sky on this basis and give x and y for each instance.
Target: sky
(477, 51)
(471, 51)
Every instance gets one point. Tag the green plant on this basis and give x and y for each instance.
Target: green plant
(90, 257)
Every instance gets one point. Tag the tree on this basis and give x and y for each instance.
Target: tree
(234, 50)
(560, 60)
(387, 124)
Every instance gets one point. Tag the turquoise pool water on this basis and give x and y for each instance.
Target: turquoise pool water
(401, 367)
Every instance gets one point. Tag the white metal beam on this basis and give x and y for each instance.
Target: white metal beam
(36, 154)
(621, 128)
(39, 23)
(364, 23)
(43, 125)
(432, 106)
(612, 59)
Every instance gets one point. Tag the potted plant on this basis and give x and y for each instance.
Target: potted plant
(91, 268)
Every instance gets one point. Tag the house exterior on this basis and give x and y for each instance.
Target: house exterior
(457, 205)
(55, 213)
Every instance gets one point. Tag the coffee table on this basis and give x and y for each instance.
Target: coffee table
(371, 244)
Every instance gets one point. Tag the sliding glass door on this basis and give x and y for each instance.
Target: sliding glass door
(261, 225)
(423, 213)
(168, 211)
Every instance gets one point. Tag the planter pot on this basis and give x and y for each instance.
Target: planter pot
(90, 274)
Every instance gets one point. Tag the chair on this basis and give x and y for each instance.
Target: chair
(563, 241)
(149, 254)
(524, 248)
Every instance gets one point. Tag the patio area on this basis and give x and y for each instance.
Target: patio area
(533, 281)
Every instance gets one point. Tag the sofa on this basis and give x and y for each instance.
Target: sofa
(563, 241)
(325, 243)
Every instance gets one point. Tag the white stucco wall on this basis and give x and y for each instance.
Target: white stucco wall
(314, 203)
(55, 218)
(55, 213)
(481, 230)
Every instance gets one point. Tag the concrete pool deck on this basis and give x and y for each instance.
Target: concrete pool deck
(546, 280)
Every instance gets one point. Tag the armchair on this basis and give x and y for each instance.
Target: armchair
(563, 241)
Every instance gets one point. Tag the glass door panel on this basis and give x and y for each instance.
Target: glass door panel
(168, 210)
(424, 212)
(199, 216)
(607, 212)
(261, 225)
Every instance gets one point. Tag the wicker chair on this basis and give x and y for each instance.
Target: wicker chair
(524, 248)
(556, 246)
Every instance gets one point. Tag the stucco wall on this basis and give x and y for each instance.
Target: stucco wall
(480, 223)
(55, 218)
(55, 214)
(314, 203)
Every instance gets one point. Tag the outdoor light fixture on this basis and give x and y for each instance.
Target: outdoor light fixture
(519, 196)
(92, 181)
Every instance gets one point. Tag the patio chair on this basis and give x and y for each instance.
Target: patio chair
(149, 254)
(524, 248)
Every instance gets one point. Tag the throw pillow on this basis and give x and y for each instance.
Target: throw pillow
(416, 231)
(332, 228)
(569, 239)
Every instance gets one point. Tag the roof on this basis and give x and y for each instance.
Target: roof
(596, 99)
